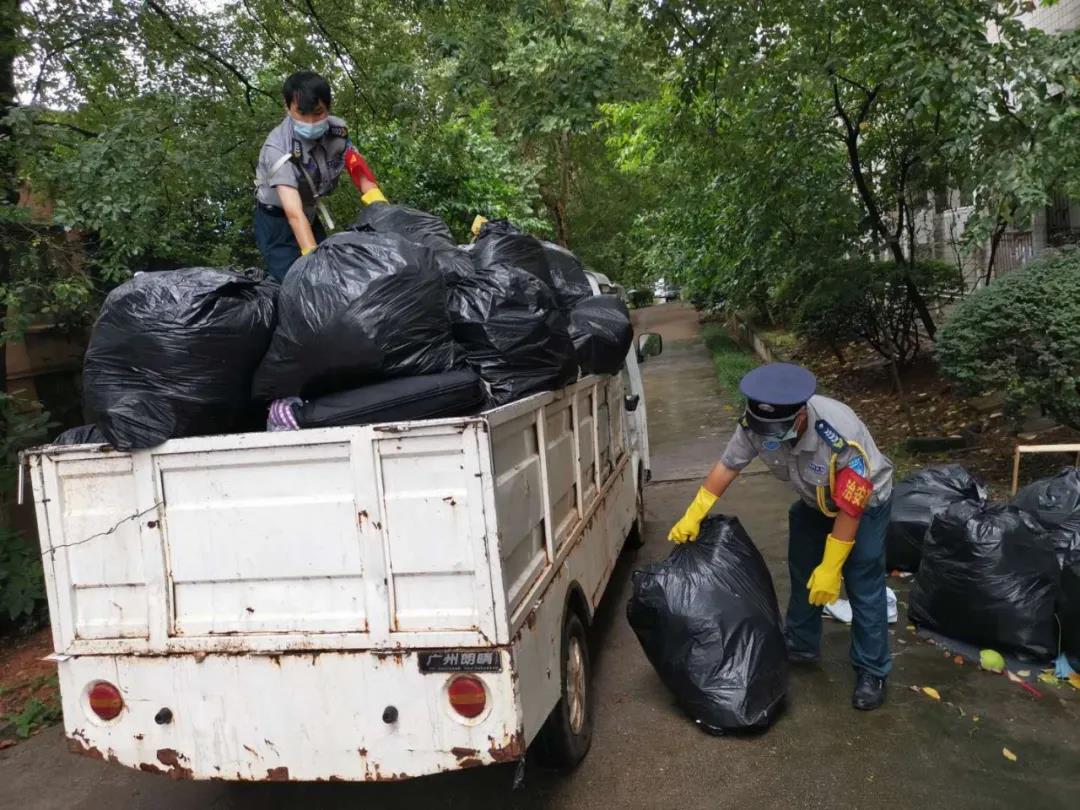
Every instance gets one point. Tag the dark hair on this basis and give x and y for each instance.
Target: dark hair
(307, 89)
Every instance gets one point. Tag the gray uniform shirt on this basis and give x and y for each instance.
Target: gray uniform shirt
(806, 465)
(324, 159)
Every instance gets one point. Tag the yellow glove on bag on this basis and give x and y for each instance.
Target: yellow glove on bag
(690, 524)
(824, 583)
(373, 196)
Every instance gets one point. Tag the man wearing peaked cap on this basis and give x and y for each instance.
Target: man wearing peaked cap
(836, 528)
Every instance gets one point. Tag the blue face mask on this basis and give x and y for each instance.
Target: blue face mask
(310, 132)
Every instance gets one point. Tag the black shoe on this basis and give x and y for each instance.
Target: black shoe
(801, 656)
(869, 692)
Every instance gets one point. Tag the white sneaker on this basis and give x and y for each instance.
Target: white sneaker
(840, 610)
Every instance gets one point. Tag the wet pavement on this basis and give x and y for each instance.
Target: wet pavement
(914, 753)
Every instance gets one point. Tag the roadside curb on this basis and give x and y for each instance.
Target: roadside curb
(744, 333)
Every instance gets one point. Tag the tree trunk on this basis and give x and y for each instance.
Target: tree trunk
(995, 240)
(9, 189)
(562, 221)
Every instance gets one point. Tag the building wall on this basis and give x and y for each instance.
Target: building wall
(1062, 16)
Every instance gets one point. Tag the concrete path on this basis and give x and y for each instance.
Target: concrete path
(914, 753)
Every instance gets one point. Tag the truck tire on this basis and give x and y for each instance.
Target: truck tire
(636, 538)
(566, 735)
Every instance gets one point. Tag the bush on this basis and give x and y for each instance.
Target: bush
(860, 299)
(1021, 336)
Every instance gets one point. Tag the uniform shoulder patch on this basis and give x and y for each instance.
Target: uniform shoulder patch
(831, 436)
(339, 131)
(857, 465)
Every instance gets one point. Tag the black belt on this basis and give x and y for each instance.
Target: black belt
(272, 210)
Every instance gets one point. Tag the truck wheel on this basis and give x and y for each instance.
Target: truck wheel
(636, 538)
(567, 733)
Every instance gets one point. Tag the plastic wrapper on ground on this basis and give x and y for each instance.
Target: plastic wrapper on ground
(512, 333)
(708, 621)
(915, 501)
(989, 576)
(172, 354)
(362, 307)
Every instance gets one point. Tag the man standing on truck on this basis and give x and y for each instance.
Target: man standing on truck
(299, 165)
(836, 528)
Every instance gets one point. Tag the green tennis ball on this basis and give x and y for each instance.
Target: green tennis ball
(991, 660)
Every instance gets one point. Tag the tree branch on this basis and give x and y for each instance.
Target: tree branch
(64, 125)
(341, 52)
(249, 88)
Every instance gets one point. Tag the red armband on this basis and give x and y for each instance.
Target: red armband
(357, 167)
(852, 492)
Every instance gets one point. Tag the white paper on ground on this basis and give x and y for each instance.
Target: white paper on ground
(841, 608)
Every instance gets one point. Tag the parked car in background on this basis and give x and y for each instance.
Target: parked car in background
(667, 292)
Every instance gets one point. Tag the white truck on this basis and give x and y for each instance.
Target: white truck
(363, 603)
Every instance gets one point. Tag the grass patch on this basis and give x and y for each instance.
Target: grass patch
(730, 360)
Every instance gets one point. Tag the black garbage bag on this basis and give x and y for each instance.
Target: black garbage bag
(172, 354)
(988, 576)
(413, 224)
(362, 307)
(84, 434)
(1069, 609)
(602, 334)
(500, 242)
(709, 623)
(915, 501)
(512, 332)
(418, 226)
(1055, 503)
(567, 274)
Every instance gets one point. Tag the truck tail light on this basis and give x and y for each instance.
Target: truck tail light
(467, 696)
(105, 700)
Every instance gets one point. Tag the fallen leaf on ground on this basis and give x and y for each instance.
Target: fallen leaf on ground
(958, 659)
(975, 719)
(1013, 676)
(1074, 680)
(1024, 673)
(930, 691)
(1048, 676)
(1009, 755)
(7, 744)
(911, 627)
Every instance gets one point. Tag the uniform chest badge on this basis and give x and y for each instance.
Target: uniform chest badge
(770, 445)
(818, 469)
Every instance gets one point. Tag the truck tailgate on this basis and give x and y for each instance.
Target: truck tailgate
(321, 539)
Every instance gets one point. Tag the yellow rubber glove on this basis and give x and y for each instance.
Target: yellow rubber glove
(307, 250)
(824, 583)
(373, 196)
(686, 530)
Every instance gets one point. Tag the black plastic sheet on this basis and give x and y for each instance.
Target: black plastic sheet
(84, 434)
(602, 334)
(915, 501)
(362, 307)
(1069, 609)
(500, 242)
(1055, 503)
(567, 275)
(172, 354)
(512, 332)
(708, 621)
(989, 576)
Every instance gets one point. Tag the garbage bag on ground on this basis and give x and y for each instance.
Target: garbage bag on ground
(500, 242)
(173, 352)
(1069, 609)
(431, 396)
(512, 333)
(567, 274)
(1055, 503)
(709, 623)
(915, 501)
(601, 330)
(988, 576)
(84, 434)
(361, 307)
(418, 226)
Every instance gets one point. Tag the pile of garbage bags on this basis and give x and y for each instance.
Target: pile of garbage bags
(708, 621)
(387, 320)
(915, 501)
(1005, 576)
